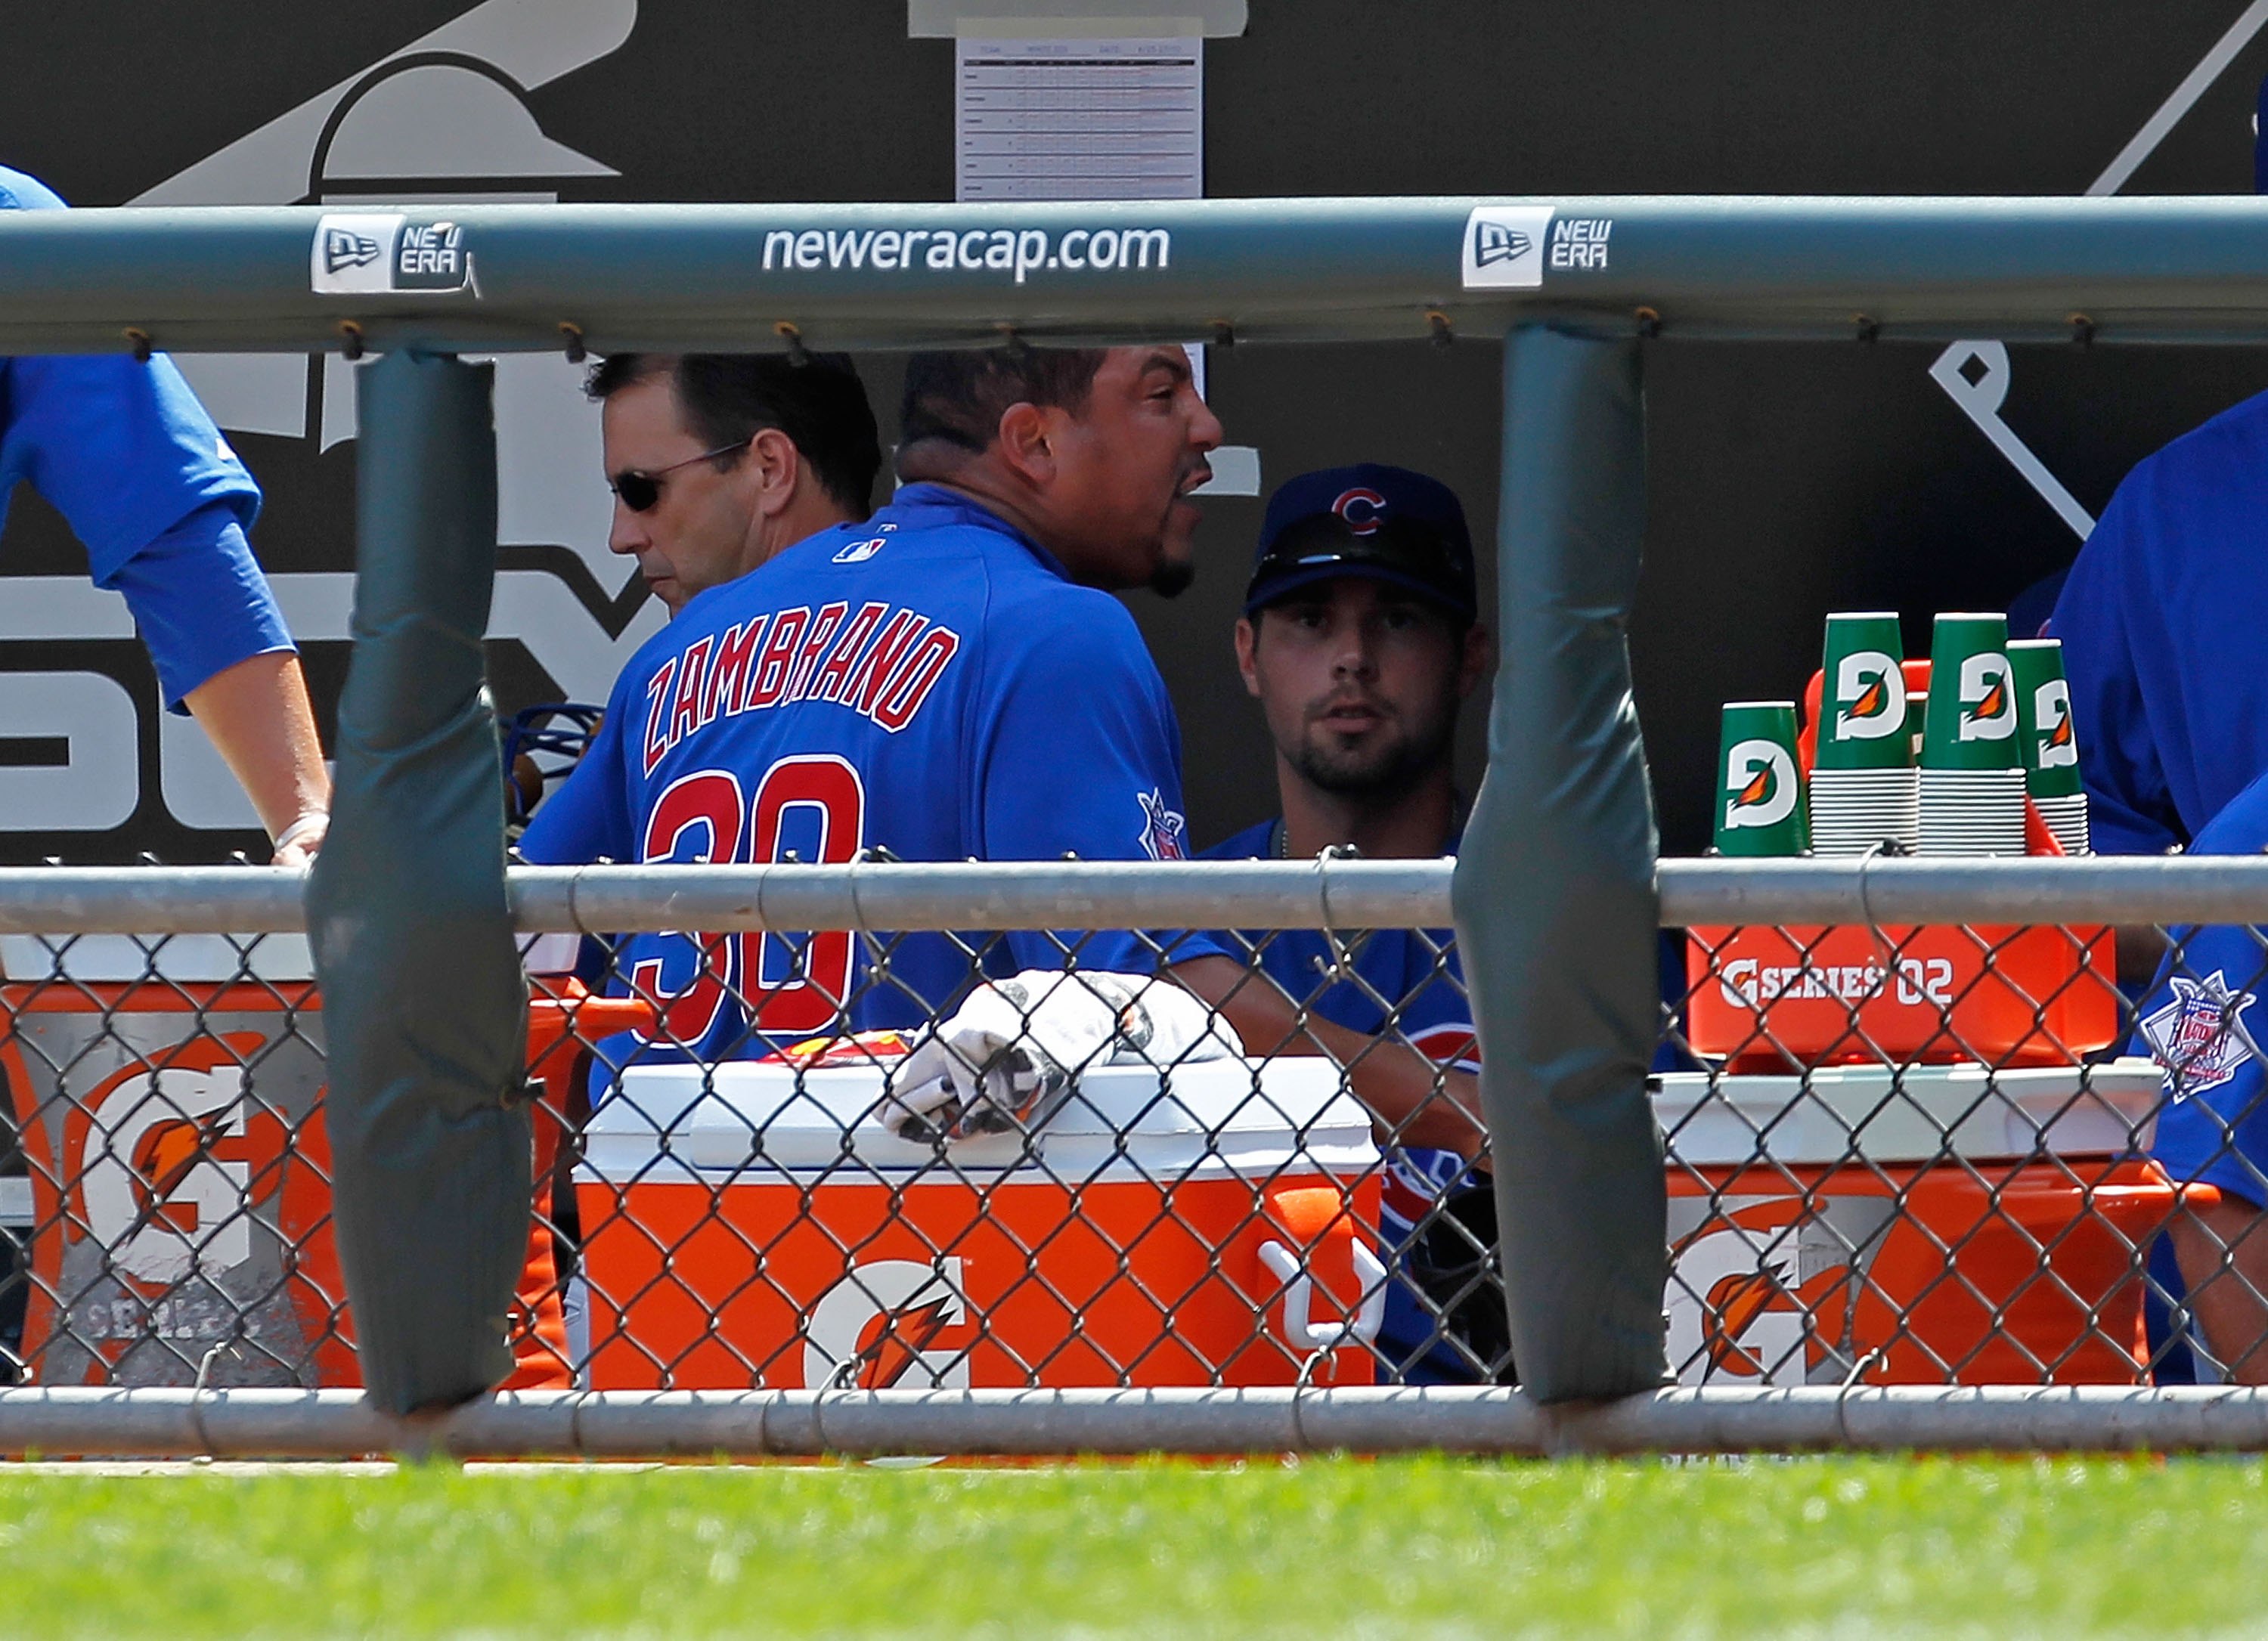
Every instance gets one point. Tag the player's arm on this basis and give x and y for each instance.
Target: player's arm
(163, 519)
(1082, 759)
(122, 449)
(1411, 1100)
(2209, 1131)
(257, 715)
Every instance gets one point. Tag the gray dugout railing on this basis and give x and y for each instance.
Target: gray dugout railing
(59, 901)
(1555, 894)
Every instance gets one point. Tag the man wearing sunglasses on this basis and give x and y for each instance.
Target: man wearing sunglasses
(1360, 639)
(720, 460)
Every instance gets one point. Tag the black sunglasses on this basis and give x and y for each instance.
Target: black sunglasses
(640, 490)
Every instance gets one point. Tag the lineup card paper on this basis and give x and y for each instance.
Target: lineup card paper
(1046, 119)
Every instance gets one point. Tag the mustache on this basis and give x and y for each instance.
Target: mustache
(1349, 698)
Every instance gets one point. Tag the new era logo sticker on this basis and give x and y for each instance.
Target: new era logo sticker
(344, 248)
(353, 253)
(1504, 247)
(374, 252)
(1494, 243)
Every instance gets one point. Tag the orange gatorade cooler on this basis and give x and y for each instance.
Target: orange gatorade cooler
(750, 1225)
(159, 1092)
(167, 1098)
(1768, 997)
(1939, 1224)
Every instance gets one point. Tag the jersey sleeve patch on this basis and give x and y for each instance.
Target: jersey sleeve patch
(2200, 1036)
(1165, 833)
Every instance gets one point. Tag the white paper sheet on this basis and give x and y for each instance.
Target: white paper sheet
(1045, 119)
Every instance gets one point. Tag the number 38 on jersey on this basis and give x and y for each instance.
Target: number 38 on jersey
(809, 808)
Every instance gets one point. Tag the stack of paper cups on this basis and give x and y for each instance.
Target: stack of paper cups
(1972, 768)
(1760, 807)
(2050, 749)
(1864, 790)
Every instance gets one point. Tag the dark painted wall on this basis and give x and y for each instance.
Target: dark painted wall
(1787, 481)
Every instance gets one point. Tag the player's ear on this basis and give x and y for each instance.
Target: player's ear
(774, 465)
(1024, 443)
(1478, 661)
(1248, 654)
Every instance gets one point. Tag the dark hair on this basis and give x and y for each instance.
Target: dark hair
(960, 397)
(729, 398)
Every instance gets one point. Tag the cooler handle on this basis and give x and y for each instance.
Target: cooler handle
(1302, 1331)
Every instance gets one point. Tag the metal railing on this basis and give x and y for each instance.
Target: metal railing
(718, 277)
(1043, 894)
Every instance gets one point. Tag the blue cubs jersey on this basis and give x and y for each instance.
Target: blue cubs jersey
(2162, 639)
(930, 683)
(129, 457)
(2201, 1021)
(1416, 973)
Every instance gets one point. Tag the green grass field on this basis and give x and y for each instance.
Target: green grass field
(1826, 1546)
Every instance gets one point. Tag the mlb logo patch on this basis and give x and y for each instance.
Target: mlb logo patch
(2200, 1037)
(859, 552)
(1165, 833)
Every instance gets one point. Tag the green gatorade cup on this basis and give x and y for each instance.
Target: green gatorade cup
(1862, 698)
(1760, 807)
(1973, 721)
(2043, 704)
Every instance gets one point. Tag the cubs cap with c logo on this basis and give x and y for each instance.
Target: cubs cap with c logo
(1387, 524)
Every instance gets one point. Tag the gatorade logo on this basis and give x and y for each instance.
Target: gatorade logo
(1988, 702)
(173, 1162)
(1760, 782)
(1870, 694)
(891, 1323)
(2051, 712)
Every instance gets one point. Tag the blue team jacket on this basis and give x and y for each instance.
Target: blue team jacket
(2164, 638)
(127, 455)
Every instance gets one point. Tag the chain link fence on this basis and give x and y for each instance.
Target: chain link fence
(1896, 1154)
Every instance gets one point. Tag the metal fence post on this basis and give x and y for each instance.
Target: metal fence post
(424, 1004)
(1554, 889)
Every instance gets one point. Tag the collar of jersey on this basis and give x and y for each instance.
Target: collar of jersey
(925, 504)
